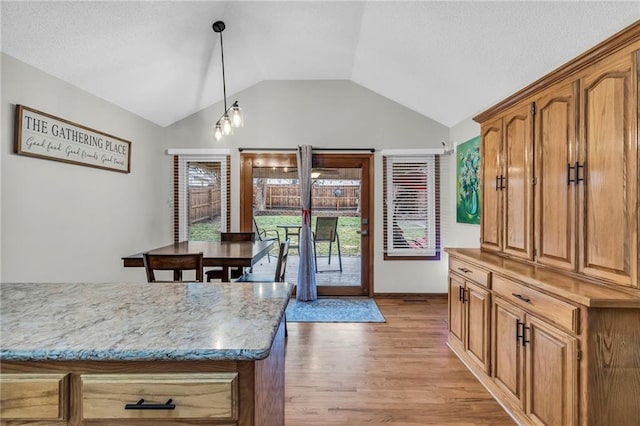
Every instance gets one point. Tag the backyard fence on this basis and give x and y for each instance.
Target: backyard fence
(204, 204)
(324, 197)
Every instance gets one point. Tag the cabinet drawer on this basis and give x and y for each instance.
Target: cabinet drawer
(470, 272)
(546, 307)
(33, 396)
(212, 396)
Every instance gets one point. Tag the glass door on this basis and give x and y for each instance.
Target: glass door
(340, 205)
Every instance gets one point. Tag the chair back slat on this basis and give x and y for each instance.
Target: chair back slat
(237, 236)
(281, 266)
(173, 262)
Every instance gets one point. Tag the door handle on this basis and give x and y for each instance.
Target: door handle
(364, 232)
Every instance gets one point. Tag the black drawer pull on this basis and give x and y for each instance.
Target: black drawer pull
(521, 297)
(465, 270)
(140, 405)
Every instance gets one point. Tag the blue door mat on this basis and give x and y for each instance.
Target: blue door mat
(334, 310)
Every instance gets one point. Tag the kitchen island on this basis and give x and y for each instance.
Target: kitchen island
(142, 353)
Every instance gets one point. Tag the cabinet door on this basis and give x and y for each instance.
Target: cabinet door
(608, 217)
(551, 375)
(491, 211)
(508, 362)
(477, 324)
(456, 310)
(518, 182)
(555, 194)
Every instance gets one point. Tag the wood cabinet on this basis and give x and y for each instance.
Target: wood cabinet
(507, 182)
(491, 184)
(560, 347)
(559, 236)
(507, 352)
(587, 186)
(608, 155)
(34, 397)
(119, 392)
(469, 312)
(162, 396)
(551, 373)
(556, 192)
(456, 312)
(584, 216)
(535, 362)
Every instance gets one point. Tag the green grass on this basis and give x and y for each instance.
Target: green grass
(348, 231)
(205, 231)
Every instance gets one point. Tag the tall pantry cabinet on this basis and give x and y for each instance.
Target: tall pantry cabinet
(608, 153)
(586, 174)
(559, 246)
(506, 150)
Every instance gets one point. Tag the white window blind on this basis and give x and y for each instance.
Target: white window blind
(410, 205)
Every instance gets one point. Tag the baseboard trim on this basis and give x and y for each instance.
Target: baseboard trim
(410, 296)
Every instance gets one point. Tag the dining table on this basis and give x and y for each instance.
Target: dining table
(225, 254)
(289, 231)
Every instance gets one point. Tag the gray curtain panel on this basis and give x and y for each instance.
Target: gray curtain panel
(307, 290)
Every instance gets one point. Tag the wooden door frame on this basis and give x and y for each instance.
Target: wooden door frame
(366, 162)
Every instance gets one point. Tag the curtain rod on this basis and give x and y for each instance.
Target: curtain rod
(314, 149)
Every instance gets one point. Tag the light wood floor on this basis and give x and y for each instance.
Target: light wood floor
(399, 373)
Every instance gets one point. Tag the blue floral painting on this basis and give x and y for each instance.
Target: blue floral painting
(468, 182)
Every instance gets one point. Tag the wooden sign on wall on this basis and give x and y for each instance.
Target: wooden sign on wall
(42, 135)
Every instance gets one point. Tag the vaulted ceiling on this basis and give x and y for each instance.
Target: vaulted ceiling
(445, 60)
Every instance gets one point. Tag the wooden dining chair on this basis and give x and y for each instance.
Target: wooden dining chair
(326, 232)
(218, 273)
(173, 262)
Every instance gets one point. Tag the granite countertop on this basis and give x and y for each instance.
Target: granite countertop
(140, 321)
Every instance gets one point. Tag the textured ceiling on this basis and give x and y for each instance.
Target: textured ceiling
(445, 60)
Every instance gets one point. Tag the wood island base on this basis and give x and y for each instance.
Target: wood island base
(239, 393)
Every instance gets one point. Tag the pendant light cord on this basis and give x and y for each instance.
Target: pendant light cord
(224, 84)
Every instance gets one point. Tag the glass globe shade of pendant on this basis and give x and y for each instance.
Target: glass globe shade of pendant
(236, 116)
(217, 134)
(226, 125)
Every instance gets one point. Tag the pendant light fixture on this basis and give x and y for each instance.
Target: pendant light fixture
(232, 116)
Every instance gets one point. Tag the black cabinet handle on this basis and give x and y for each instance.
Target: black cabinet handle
(502, 179)
(140, 405)
(569, 168)
(497, 184)
(465, 270)
(578, 178)
(461, 294)
(524, 338)
(521, 335)
(576, 169)
(521, 297)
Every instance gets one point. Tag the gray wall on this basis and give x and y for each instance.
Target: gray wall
(326, 114)
(64, 222)
(461, 234)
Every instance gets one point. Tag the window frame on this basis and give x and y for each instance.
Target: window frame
(406, 159)
(181, 183)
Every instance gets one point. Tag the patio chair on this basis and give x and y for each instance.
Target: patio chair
(173, 262)
(326, 232)
(266, 235)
